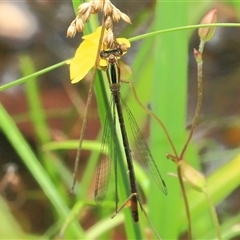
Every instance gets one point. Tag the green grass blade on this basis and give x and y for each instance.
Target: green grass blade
(36, 111)
(169, 98)
(28, 157)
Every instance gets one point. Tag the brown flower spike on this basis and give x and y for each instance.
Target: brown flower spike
(85, 10)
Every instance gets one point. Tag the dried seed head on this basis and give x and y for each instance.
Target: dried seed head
(206, 34)
(84, 7)
(126, 18)
(108, 23)
(116, 15)
(85, 10)
(79, 24)
(97, 6)
(109, 39)
(71, 32)
(86, 15)
(108, 8)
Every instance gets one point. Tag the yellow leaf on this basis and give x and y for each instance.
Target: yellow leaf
(125, 41)
(82, 62)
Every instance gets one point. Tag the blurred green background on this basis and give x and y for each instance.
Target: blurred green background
(41, 118)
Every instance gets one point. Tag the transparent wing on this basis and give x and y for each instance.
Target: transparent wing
(107, 154)
(144, 154)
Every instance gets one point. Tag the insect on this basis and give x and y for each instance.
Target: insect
(116, 105)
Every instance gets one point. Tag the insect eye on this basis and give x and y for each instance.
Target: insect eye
(118, 52)
(104, 54)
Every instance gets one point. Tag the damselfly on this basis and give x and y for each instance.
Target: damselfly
(110, 137)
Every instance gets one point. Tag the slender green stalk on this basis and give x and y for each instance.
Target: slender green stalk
(214, 215)
(185, 200)
(72, 144)
(133, 39)
(199, 61)
(182, 28)
(36, 110)
(32, 76)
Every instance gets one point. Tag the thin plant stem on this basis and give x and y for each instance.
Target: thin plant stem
(32, 76)
(194, 124)
(188, 27)
(199, 100)
(74, 97)
(89, 98)
(185, 200)
(177, 160)
(195, 120)
(213, 214)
